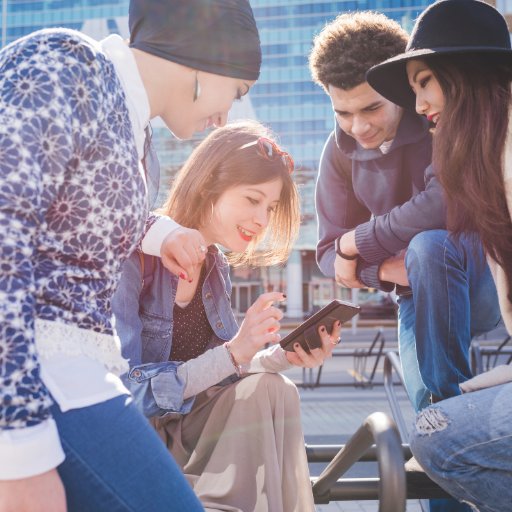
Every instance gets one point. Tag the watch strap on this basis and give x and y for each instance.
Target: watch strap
(342, 255)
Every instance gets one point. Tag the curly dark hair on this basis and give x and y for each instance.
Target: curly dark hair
(349, 46)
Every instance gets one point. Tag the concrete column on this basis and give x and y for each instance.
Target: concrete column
(294, 285)
(355, 300)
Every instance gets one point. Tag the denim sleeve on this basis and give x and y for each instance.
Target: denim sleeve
(388, 234)
(224, 268)
(158, 388)
(338, 210)
(138, 380)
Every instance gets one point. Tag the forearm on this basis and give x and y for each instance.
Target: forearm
(392, 270)
(271, 360)
(215, 365)
(205, 371)
(369, 275)
(388, 234)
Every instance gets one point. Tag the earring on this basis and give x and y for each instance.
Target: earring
(197, 89)
(209, 220)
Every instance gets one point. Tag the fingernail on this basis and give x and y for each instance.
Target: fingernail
(322, 329)
(182, 275)
(284, 295)
(296, 345)
(190, 280)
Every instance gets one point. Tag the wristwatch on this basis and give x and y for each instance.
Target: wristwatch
(342, 255)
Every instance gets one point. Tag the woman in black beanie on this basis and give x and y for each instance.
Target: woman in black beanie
(457, 71)
(73, 207)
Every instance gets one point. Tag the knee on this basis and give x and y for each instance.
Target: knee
(277, 388)
(426, 244)
(424, 438)
(279, 384)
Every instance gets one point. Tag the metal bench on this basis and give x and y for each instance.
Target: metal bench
(393, 486)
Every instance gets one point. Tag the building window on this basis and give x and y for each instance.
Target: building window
(504, 6)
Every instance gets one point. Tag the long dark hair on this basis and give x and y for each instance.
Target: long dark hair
(215, 166)
(468, 150)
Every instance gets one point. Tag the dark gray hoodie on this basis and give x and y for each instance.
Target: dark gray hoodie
(388, 198)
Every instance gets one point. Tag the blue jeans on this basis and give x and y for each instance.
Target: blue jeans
(465, 445)
(116, 462)
(453, 299)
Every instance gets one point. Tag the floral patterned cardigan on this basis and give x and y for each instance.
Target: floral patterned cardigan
(72, 203)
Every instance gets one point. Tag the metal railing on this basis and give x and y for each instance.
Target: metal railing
(423, 489)
(478, 352)
(327, 452)
(391, 362)
(360, 356)
(389, 488)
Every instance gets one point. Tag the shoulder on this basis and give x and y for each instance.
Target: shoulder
(58, 58)
(62, 44)
(334, 160)
(68, 73)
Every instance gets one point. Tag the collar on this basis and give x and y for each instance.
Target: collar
(137, 100)
(412, 128)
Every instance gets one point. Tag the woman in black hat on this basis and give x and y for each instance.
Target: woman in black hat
(457, 70)
(73, 208)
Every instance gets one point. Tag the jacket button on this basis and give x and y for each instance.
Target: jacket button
(208, 295)
(219, 326)
(137, 374)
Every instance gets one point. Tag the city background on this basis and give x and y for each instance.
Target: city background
(284, 97)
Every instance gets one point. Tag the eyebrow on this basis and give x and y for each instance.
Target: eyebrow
(263, 194)
(259, 191)
(368, 107)
(372, 105)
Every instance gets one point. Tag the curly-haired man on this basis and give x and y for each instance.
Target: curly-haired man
(381, 214)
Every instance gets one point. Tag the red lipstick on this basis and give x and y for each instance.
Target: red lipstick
(431, 116)
(245, 238)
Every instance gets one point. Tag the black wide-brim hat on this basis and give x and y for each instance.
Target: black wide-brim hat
(445, 27)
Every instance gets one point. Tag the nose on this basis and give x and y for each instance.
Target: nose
(360, 126)
(221, 120)
(261, 217)
(422, 104)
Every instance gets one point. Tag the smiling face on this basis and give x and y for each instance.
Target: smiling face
(429, 95)
(365, 115)
(186, 117)
(241, 213)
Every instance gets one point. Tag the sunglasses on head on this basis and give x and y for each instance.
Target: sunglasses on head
(270, 151)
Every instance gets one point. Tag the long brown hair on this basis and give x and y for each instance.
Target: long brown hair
(468, 150)
(215, 166)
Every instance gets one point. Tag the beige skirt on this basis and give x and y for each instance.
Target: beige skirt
(241, 447)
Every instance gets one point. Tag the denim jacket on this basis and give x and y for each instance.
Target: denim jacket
(145, 329)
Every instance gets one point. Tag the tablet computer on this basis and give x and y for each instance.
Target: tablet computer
(307, 333)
